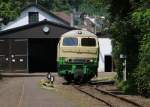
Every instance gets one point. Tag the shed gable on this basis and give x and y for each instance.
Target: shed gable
(36, 30)
(23, 19)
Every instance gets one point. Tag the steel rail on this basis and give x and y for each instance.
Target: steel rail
(121, 98)
(99, 99)
(113, 95)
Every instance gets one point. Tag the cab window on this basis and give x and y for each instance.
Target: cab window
(88, 42)
(69, 41)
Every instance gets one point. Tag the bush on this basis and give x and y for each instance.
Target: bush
(125, 43)
(130, 31)
(143, 80)
(143, 70)
(141, 21)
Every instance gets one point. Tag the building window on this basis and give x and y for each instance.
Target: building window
(33, 17)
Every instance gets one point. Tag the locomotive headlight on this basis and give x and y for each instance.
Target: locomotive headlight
(68, 60)
(91, 60)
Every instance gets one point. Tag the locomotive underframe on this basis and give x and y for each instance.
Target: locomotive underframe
(77, 72)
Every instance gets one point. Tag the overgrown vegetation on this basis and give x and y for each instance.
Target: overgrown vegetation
(141, 21)
(131, 36)
(9, 10)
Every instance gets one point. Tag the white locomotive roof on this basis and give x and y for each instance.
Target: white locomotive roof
(78, 33)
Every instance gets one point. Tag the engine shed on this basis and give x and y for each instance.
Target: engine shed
(31, 48)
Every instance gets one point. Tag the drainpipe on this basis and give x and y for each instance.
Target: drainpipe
(72, 17)
(1, 20)
(95, 29)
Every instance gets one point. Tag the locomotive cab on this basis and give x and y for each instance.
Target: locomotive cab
(77, 55)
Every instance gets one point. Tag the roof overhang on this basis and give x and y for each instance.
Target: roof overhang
(33, 25)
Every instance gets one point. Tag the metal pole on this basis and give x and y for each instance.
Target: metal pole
(36, 1)
(125, 71)
(95, 29)
(95, 26)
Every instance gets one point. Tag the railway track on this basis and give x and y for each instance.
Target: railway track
(109, 99)
(89, 94)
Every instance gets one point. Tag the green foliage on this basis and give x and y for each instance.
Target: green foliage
(95, 7)
(8, 10)
(143, 70)
(46, 3)
(124, 42)
(141, 21)
(75, 4)
(143, 81)
(130, 30)
(60, 5)
(119, 9)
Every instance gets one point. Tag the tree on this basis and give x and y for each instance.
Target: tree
(8, 10)
(60, 5)
(94, 7)
(75, 4)
(130, 29)
(141, 21)
(46, 3)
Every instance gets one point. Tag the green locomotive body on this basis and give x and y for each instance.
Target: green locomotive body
(77, 55)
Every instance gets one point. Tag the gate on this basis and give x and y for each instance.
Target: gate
(13, 55)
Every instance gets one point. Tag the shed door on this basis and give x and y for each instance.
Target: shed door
(18, 55)
(4, 51)
(13, 55)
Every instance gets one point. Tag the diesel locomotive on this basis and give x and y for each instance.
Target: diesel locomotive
(77, 56)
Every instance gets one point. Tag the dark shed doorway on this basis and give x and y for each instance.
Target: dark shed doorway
(108, 63)
(42, 55)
